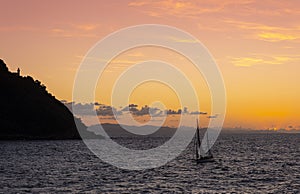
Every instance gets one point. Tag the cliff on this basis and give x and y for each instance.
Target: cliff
(28, 111)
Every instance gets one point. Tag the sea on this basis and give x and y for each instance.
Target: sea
(244, 163)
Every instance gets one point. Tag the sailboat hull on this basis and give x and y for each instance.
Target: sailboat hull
(205, 160)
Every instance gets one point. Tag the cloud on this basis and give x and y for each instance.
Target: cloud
(57, 30)
(215, 15)
(105, 110)
(226, 8)
(116, 65)
(275, 37)
(81, 109)
(198, 113)
(252, 25)
(75, 30)
(257, 59)
(177, 8)
(156, 112)
(213, 116)
(245, 61)
(180, 40)
(264, 32)
(145, 110)
(130, 107)
(86, 27)
(138, 3)
(136, 54)
(88, 109)
(173, 112)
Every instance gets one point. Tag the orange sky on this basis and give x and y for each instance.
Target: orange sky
(255, 43)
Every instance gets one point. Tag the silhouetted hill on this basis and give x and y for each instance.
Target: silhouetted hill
(28, 111)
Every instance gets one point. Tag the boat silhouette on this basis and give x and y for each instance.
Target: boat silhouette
(200, 155)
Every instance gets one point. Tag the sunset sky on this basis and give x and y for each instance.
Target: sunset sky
(255, 43)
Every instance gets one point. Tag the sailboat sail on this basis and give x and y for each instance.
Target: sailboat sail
(202, 156)
(198, 143)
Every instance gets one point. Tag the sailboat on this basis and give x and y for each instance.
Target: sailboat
(200, 157)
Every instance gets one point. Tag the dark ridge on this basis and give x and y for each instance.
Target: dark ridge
(29, 111)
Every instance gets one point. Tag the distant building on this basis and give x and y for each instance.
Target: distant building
(17, 73)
